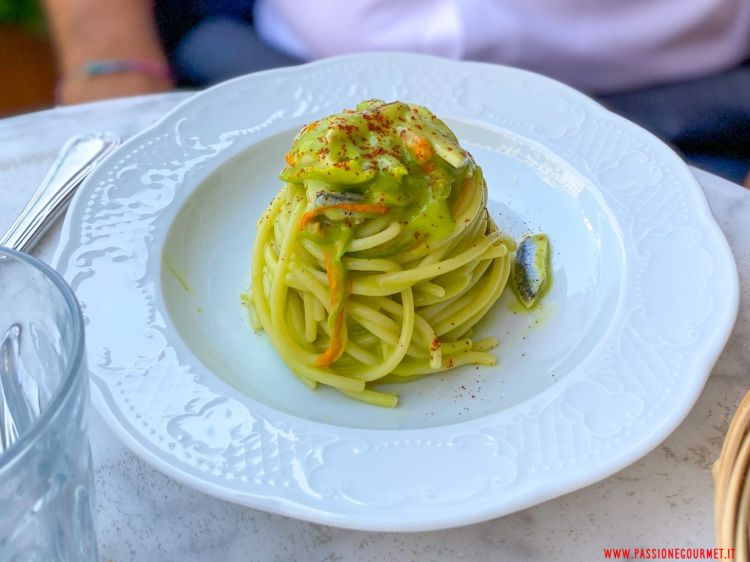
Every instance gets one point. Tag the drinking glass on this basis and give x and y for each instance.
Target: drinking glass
(46, 482)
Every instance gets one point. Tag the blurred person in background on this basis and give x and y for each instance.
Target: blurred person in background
(677, 67)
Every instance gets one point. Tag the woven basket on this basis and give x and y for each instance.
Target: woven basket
(732, 495)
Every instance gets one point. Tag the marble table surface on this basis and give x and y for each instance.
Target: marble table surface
(663, 500)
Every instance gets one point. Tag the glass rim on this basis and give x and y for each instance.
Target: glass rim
(72, 372)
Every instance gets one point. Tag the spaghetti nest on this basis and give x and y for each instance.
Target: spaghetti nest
(378, 257)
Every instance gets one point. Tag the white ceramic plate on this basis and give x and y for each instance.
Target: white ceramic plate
(157, 246)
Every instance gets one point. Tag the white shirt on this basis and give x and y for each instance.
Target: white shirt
(596, 45)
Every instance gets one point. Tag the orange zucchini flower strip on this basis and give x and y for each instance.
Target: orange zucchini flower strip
(336, 292)
(420, 146)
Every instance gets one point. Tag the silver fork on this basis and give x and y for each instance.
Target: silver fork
(78, 157)
(76, 160)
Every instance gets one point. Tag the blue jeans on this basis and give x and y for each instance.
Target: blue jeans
(706, 120)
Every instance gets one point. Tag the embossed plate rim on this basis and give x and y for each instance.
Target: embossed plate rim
(516, 485)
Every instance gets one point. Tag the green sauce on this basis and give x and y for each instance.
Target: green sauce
(393, 159)
(177, 275)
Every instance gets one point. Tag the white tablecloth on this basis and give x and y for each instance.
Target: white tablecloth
(663, 500)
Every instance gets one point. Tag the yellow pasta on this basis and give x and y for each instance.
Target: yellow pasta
(378, 256)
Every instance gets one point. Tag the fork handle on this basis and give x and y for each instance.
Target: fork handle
(76, 160)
